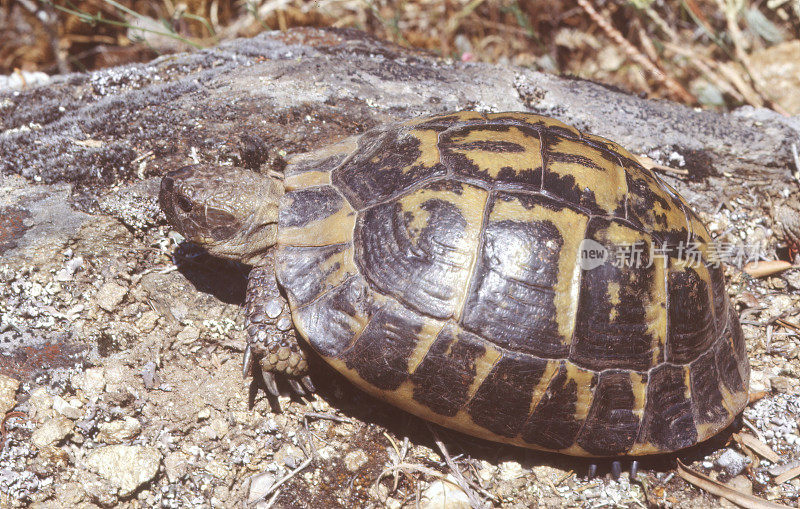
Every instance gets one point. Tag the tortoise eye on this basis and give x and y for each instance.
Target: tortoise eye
(184, 203)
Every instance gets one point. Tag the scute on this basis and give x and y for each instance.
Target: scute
(436, 263)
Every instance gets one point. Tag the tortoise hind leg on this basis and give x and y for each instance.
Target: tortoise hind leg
(271, 339)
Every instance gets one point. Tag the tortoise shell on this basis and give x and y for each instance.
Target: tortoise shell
(437, 264)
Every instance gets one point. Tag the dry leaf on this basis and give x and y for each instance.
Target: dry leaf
(788, 475)
(726, 492)
(758, 447)
(761, 269)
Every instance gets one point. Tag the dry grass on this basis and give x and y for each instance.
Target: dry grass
(704, 52)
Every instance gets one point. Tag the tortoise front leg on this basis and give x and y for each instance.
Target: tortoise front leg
(271, 339)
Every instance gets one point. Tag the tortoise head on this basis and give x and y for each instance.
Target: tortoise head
(231, 212)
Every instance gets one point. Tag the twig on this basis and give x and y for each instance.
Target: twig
(635, 54)
(3, 430)
(466, 486)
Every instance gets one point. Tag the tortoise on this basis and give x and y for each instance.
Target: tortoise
(438, 264)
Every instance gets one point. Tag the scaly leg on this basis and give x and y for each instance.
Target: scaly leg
(271, 339)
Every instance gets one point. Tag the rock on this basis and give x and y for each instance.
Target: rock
(290, 455)
(733, 462)
(91, 382)
(69, 410)
(259, 486)
(444, 495)
(117, 432)
(42, 402)
(217, 469)
(510, 470)
(354, 460)
(125, 467)
(147, 322)
(52, 431)
(189, 334)
(176, 465)
(110, 296)
(782, 384)
(150, 377)
(8, 393)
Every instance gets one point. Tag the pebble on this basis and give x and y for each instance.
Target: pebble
(216, 469)
(110, 295)
(150, 376)
(176, 466)
(119, 431)
(8, 393)
(66, 409)
(147, 322)
(42, 401)
(733, 462)
(125, 467)
(510, 470)
(259, 486)
(52, 431)
(354, 460)
(782, 384)
(189, 334)
(290, 455)
(91, 382)
(444, 495)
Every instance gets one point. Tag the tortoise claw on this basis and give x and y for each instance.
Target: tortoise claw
(247, 363)
(634, 469)
(592, 471)
(297, 387)
(272, 386)
(308, 384)
(616, 470)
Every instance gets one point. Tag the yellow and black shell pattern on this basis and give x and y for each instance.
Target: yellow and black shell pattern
(436, 264)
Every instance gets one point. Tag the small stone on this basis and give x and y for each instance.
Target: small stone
(189, 334)
(354, 460)
(125, 467)
(52, 431)
(119, 431)
(176, 465)
(782, 384)
(216, 469)
(66, 409)
(53, 456)
(147, 322)
(91, 382)
(510, 470)
(203, 414)
(110, 295)
(42, 402)
(150, 376)
(220, 427)
(70, 494)
(733, 462)
(290, 455)
(444, 495)
(259, 487)
(8, 393)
